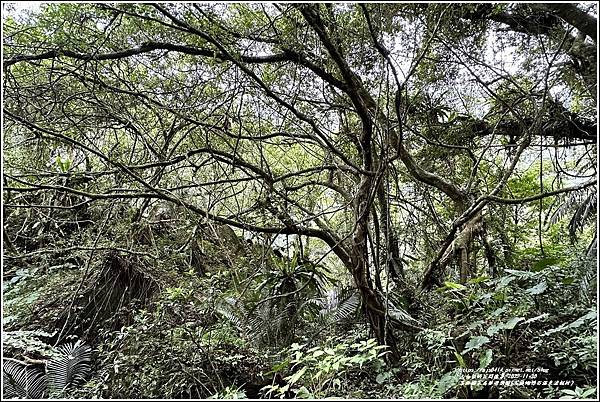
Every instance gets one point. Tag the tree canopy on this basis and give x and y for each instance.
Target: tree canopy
(405, 150)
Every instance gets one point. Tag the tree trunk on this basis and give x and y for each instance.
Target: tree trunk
(463, 260)
(489, 252)
(391, 256)
(374, 306)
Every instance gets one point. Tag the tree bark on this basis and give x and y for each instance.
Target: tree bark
(391, 256)
(573, 16)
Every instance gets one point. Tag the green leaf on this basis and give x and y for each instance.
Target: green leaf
(448, 381)
(303, 393)
(581, 320)
(296, 376)
(453, 285)
(479, 279)
(543, 263)
(475, 343)
(538, 289)
(568, 281)
(382, 377)
(588, 392)
(336, 383)
(494, 329)
(498, 312)
(510, 324)
(520, 274)
(485, 359)
(460, 360)
(537, 318)
(505, 281)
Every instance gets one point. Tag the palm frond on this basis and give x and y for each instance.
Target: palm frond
(233, 312)
(588, 275)
(585, 211)
(583, 203)
(69, 367)
(265, 323)
(347, 307)
(564, 207)
(339, 304)
(21, 380)
(593, 247)
(398, 314)
(310, 308)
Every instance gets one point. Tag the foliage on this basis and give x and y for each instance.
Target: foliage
(323, 371)
(578, 393)
(362, 200)
(174, 348)
(229, 393)
(68, 367)
(30, 341)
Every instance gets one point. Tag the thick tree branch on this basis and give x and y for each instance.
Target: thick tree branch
(575, 17)
(540, 196)
(145, 47)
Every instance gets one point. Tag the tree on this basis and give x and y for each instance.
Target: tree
(360, 125)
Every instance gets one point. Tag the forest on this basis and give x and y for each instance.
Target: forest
(299, 200)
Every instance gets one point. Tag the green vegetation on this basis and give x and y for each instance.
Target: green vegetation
(299, 201)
